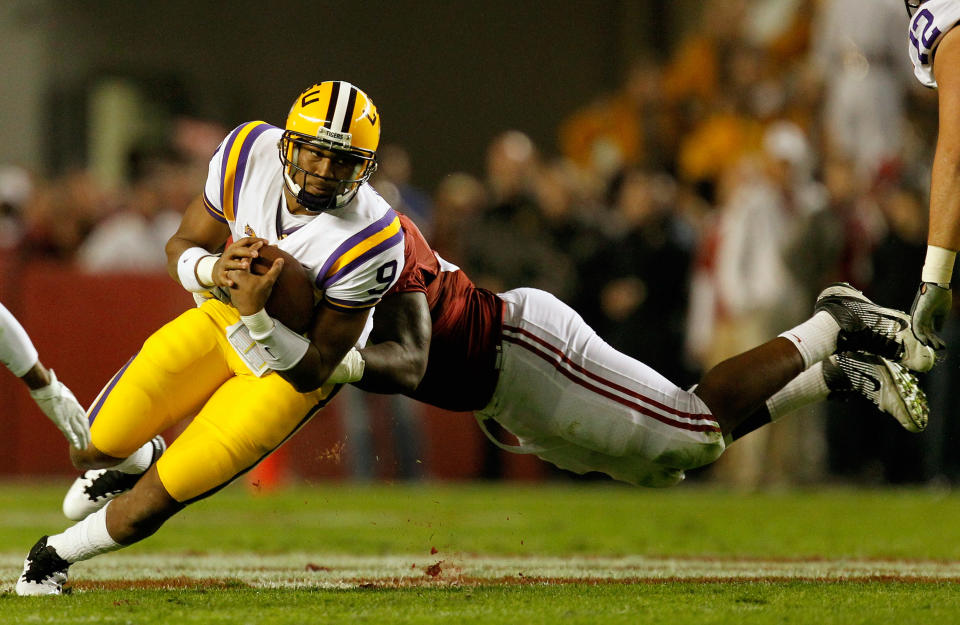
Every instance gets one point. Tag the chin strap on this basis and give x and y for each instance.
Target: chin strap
(312, 201)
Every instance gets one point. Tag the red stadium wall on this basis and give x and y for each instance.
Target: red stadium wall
(87, 326)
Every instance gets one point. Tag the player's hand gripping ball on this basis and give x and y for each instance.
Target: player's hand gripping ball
(291, 300)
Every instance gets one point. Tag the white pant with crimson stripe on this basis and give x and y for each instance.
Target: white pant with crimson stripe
(576, 402)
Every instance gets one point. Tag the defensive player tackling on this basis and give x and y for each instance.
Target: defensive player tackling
(526, 360)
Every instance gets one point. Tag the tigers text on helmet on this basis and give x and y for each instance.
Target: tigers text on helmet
(332, 120)
(912, 5)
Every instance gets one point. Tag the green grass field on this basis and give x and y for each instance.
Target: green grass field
(557, 552)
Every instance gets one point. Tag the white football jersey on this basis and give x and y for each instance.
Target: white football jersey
(929, 24)
(353, 253)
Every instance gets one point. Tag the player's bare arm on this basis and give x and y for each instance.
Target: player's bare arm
(396, 354)
(945, 179)
(934, 298)
(331, 335)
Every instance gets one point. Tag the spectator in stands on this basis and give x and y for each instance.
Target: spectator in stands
(132, 239)
(513, 220)
(770, 197)
(16, 188)
(631, 126)
(858, 50)
(459, 201)
(61, 214)
(394, 166)
(630, 293)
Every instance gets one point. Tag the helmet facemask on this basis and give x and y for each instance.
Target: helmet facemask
(349, 169)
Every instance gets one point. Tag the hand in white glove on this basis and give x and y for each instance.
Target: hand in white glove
(929, 311)
(350, 369)
(57, 402)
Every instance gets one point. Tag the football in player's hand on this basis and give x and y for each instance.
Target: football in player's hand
(291, 301)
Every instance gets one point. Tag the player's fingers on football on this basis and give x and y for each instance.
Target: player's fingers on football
(244, 248)
(236, 264)
(229, 277)
(274, 272)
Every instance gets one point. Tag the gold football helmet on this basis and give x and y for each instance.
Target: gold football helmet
(332, 120)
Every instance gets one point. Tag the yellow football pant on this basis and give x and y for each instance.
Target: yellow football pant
(188, 368)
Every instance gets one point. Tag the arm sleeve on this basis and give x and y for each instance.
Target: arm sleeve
(16, 349)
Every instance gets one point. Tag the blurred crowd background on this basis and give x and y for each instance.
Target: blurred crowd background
(689, 210)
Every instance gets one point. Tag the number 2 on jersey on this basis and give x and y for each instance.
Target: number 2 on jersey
(928, 34)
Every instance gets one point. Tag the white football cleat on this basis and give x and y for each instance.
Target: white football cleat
(96, 487)
(887, 385)
(867, 327)
(44, 571)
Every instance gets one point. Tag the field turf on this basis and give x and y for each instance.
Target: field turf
(556, 552)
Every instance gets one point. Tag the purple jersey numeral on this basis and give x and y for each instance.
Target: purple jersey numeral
(928, 34)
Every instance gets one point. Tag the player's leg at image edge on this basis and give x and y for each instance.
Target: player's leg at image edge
(96, 487)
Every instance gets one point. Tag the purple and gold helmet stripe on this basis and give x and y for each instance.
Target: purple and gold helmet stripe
(361, 247)
(234, 164)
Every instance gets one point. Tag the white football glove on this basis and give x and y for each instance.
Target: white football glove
(57, 402)
(350, 369)
(930, 309)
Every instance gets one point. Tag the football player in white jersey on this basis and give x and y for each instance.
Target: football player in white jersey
(250, 381)
(56, 401)
(934, 47)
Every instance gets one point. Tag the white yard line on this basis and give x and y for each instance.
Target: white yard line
(345, 571)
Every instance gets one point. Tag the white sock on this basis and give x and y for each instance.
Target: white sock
(138, 461)
(815, 338)
(806, 388)
(86, 539)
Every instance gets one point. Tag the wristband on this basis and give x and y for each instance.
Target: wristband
(187, 269)
(938, 266)
(204, 269)
(259, 323)
(282, 348)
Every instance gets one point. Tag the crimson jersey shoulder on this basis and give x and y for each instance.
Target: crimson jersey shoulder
(420, 262)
